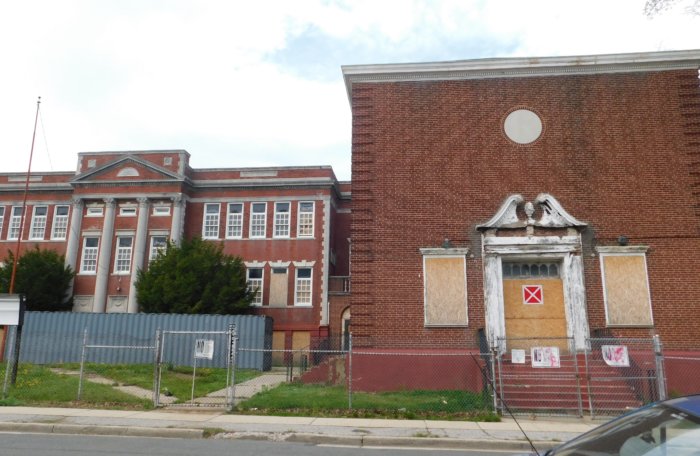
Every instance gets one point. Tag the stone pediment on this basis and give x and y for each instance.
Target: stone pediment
(545, 211)
(128, 168)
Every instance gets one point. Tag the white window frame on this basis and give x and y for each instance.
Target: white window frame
(59, 225)
(95, 211)
(127, 211)
(2, 219)
(302, 224)
(259, 283)
(161, 210)
(89, 254)
(123, 254)
(211, 221)
(282, 220)
(154, 249)
(234, 222)
(37, 230)
(303, 285)
(15, 222)
(258, 221)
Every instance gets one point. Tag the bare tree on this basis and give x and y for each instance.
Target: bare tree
(655, 7)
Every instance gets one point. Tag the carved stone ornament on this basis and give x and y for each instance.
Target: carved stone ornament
(552, 214)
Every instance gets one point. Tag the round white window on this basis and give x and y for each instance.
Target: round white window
(522, 126)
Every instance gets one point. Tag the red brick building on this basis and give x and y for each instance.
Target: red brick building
(526, 197)
(112, 215)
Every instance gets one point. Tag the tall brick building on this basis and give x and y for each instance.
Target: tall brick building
(289, 224)
(546, 197)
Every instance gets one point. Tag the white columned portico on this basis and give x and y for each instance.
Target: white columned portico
(139, 252)
(105, 256)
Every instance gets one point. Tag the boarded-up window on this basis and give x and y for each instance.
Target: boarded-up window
(627, 299)
(278, 287)
(445, 290)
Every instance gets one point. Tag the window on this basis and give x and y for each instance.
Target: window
(60, 222)
(306, 219)
(88, 263)
(234, 221)
(2, 218)
(281, 220)
(158, 245)
(258, 220)
(122, 262)
(95, 211)
(161, 211)
(255, 283)
(625, 286)
(302, 293)
(15, 222)
(38, 228)
(127, 211)
(210, 228)
(445, 289)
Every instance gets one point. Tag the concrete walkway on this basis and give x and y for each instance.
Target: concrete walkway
(343, 431)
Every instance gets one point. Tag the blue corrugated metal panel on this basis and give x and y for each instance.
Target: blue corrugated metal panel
(55, 337)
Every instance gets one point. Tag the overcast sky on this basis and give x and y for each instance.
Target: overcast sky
(258, 83)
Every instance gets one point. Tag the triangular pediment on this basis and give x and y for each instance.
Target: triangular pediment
(545, 211)
(128, 168)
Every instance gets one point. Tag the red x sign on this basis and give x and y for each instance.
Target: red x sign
(532, 294)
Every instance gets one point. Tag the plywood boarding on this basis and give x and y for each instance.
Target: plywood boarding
(301, 340)
(279, 283)
(627, 299)
(445, 291)
(278, 344)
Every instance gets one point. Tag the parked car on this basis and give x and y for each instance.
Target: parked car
(668, 428)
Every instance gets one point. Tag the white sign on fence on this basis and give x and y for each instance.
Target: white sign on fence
(9, 309)
(616, 355)
(545, 356)
(517, 356)
(204, 349)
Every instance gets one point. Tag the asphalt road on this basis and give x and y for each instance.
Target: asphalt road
(60, 445)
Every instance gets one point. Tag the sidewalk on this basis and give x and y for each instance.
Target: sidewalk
(356, 432)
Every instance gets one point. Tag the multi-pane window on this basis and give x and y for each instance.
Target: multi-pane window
(281, 220)
(60, 222)
(234, 221)
(2, 218)
(302, 292)
(88, 263)
(15, 222)
(306, 219)
(255, 283)
(210, 226)
(161, 211)
(258, 220)
(38, 227)
(122, 262)
(95, 211)
(158, 245)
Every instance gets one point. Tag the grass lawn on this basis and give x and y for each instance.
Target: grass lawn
(320, 400)
(37, 385)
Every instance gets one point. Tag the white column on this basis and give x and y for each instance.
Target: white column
(178, 215)
(104, 260)
(493, 299)
(76, 219)
(139, 252)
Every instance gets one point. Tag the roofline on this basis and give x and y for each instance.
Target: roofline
(135, 152)
(520, 67)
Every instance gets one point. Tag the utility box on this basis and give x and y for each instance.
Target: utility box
(11, 309)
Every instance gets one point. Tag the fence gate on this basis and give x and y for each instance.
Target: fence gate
(196, 368)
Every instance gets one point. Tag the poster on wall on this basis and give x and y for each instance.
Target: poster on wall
(616, 355)
(533, 294)
(545, 356)
(517, 356)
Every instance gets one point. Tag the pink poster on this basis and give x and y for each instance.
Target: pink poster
(615, 355)
(545, 356)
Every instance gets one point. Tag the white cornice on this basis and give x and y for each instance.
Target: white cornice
(521, 67)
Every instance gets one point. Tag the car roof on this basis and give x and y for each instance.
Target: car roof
(688, 404)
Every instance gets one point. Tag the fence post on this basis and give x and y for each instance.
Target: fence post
(350, 371)
(156, 369)
(82, 364)
(9, 363)
(232, 360)
(660, 372)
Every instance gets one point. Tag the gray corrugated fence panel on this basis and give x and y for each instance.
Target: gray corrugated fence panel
(56, 337)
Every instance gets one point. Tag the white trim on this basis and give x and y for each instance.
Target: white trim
(304, 264)
(313, 219)
(254, 264)
(289, 220)
(211, 214)
(36, 218)
(279, 264)
(241, 224)
(622, 250)
(55, 218)
(252, 219)
(310, 281)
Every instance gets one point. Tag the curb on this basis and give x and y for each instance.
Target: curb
(76, 429)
